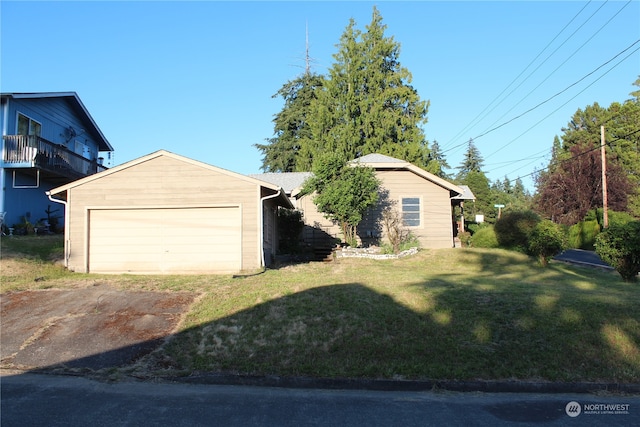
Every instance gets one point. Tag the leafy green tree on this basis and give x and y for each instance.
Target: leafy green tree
(367, 104)
(514, 196)
(619, 246)
(291, 126)
(343, 192)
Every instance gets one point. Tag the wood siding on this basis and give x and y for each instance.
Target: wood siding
(436, 220)
(163, 182)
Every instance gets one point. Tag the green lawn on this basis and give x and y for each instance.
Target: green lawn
(442, 314)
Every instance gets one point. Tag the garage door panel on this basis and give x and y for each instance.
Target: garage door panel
(165, 240)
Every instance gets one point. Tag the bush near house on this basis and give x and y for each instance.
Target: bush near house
(546, 240)
(485, 237)
(619, 246)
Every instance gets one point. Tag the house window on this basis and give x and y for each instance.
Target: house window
(411, 211)
(27, 126)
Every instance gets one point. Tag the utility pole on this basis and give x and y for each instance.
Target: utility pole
(605, 213)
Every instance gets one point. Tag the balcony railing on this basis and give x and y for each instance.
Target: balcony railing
(33, 151)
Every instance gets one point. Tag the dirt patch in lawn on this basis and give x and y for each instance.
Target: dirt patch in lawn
(86, 329)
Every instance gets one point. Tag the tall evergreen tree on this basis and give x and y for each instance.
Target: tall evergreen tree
(437, 161)
(367, 104)
(291, 125)
(472, 161)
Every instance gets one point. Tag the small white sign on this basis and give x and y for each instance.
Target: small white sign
(479, 218)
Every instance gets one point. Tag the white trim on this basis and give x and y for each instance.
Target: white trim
(420, 211)
(18, 114)
(13, 184)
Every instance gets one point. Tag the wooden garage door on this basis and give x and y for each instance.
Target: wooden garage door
(185, 240)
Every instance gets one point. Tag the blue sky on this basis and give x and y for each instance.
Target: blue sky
(197, 78)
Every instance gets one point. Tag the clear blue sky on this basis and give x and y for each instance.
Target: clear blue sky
(197, 78)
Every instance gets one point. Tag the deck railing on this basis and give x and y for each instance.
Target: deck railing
(33, 151)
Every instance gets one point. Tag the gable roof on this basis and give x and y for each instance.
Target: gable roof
(382, 162)
(377, 158)
(289, 181)
(77, 106)
(467, 194)
(164, 153)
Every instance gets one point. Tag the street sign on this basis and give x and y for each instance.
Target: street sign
(498, 206)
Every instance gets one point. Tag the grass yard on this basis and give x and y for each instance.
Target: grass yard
(442, 314)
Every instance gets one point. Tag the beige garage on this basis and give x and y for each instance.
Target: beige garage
(165, 240)
(168, 214)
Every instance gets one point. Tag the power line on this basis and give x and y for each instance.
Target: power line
(559, 66)
(567, 88)
(525, 69)
(564, 90)
(585, 152)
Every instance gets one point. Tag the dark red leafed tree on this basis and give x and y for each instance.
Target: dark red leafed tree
(574, 186)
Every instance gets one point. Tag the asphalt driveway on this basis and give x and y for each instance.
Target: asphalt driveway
(85, 329)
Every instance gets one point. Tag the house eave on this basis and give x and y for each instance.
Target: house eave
(78, 106)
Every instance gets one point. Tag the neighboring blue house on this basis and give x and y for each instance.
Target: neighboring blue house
(48, 139)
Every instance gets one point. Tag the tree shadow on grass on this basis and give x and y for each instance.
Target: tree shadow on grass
(440, 329)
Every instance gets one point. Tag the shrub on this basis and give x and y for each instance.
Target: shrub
(583, 234)
(465, 238)
(485, 237)
(619, 246)
(290, 226)
(620, 218)
(513, 229)
(546, 240)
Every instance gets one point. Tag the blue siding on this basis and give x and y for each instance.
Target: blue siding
(55, 115)
(20, 201)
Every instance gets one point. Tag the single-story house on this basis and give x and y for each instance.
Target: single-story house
(424, 201)
(164, 213)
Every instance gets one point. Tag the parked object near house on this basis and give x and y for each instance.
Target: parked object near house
(424, 201)
(164, 213)
(48, 139)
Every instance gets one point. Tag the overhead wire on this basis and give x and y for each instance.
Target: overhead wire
(524, 70)
(598, 147)
(575, 52)
(564, 90)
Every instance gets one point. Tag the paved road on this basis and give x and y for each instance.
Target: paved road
(582, 257)
(48, 400)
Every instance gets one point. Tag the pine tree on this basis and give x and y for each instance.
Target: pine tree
(367, 104)
(291, 125)
(472, 161)
(437, 161)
